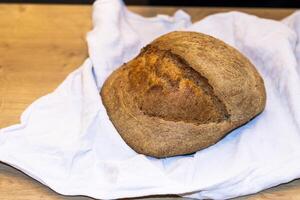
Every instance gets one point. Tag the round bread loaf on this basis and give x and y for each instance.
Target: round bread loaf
(184, 92)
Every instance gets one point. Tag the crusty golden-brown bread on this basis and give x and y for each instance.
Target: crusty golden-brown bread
(183, 92)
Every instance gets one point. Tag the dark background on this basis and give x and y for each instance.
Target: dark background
(223, 3)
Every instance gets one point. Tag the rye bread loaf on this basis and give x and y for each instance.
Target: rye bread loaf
(184, 92)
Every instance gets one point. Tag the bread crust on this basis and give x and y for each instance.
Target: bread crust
(184, 92)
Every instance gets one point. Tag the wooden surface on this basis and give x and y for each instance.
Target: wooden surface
(39, 46)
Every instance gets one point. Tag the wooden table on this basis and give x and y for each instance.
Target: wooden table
(39, 46)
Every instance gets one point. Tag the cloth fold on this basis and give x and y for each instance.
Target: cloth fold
(66, 141)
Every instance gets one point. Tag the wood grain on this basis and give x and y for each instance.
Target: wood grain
(39, 46)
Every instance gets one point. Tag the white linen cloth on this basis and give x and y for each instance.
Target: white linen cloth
(66, 141)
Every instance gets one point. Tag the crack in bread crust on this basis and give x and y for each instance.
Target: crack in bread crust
(164, 85)
(204, 84)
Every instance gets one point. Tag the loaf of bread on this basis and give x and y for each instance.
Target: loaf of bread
(184, 92)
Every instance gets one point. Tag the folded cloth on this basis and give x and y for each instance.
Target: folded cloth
(66, 141)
